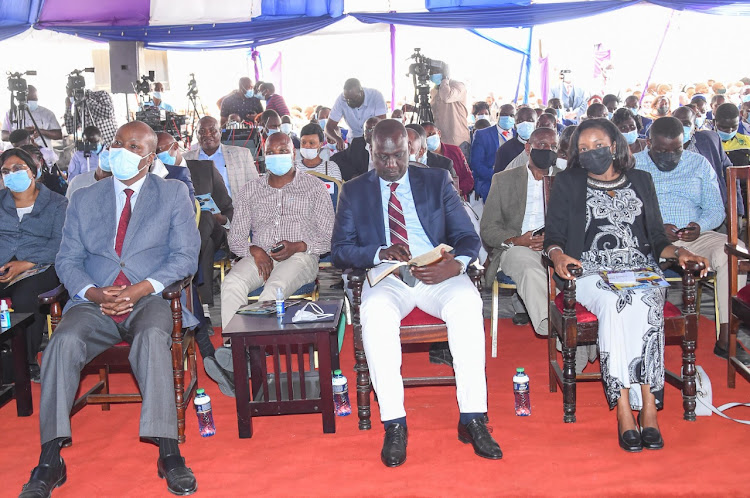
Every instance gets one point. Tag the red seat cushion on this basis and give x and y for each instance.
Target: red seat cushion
(744, 294)
(419, 317)
(121, 344)
(585, 316)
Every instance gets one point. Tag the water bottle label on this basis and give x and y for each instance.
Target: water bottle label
(203, 408)
(521, 387)
(340, 389)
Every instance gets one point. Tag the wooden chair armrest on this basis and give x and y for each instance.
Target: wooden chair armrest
(734, 250)
(174, 290)
(476, 274)
(56, 295)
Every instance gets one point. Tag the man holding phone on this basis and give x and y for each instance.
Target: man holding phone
(282, 223)
(691, 207)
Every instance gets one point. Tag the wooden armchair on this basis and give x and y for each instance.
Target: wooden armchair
(416, 328)
(739, 261)
(115, 359)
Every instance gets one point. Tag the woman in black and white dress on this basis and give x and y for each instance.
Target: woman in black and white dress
(604, 216)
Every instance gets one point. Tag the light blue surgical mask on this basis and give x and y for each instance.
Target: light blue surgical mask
(156, 95)
(104, 161)
(257, 95)
(525, 129)
(279, 164)
(271, 131)
(631, 136)
(687, 133)
(699, 122)
(506, 122)
(609, 115)
(322, 123)
(433, 142)
(724, 136)
(249, 94)
(286, 128)
(423, 159)
(18, 181)
(166, 158)
(436, 78)
(412, 158)
(33, 105)
(98, 149)
(634, 111)
(125, 164)
(746, 98)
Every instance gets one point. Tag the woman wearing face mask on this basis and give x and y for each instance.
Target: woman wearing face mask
(31, 222)
(625, 122)
(311, 143)
(603, 215)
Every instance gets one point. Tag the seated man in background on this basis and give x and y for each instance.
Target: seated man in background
(485, 144)
(312, 140)
(452, 152)
(691, 207)
(525, 124)
(235, 164)
(522, 159)
(115, 261)
(596, 111)
(85, 179)
(288, 217)
(157, 98)
(369, 127)
(86, 160)
(288, 129)
(416, 209)
(735, 144)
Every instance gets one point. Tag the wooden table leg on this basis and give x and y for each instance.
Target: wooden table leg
(334, 340)
(22, 387)
(241, 388)
(326, 382)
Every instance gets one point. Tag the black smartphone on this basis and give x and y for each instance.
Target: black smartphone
(277, 248)
(3, 272)
(687, 229)
(537, 232)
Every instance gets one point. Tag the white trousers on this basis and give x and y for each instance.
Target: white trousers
(457, 302)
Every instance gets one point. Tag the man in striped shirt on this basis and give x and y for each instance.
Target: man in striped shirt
(274, 101)
(282, 224)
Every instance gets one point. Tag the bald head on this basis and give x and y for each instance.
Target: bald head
(389, 151)
(142, 132)
(542, 135)
(167, 143)
(279, 143)
(209, 135)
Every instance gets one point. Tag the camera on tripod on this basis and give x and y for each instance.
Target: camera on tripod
(192, 86)
(77, 83)
(144, 86)
(424, 67)
(17, 83)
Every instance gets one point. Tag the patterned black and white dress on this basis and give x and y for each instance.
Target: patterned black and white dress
(631, 322)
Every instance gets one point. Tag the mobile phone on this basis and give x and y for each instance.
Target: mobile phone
(277, 248)
(538, 232)
(687, 229)
(3, 272)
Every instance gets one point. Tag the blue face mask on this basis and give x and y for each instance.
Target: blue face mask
(524, 129)
(98, 149)
(436, 78)
(322, 123)
(166, 158)
(506, 122)
(33, 105)
(631, 136)
(724, 136)
(634, 111)
(104, 161)
(124, 163)
(279, 164)
(156, 95)
(423, 159)
(271, 131)
(609, 115)
(433, 142)
(699, 122)
(412, 158)
(746, 98)
(18, 181)
(687, 132)
(258, 96)
(249, 94)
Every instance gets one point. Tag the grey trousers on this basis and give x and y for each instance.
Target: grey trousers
(83, 333)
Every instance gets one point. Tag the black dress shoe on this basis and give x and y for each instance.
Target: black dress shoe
(440, 354)
(742, 354)
(394, 446)
(650, 437)
(219, 375)
(630, 441)
(44, 478)
(476, 433)
(521, 319)
(180, 479)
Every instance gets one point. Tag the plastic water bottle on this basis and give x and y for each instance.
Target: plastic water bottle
(341, 394)
(280, 302)
(4, 315)
(205, 416)
(521, 392)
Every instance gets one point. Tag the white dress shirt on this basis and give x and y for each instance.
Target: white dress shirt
(533, 217)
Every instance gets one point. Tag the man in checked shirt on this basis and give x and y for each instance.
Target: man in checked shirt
(282, 223)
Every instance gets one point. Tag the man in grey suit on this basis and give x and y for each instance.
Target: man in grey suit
(235, 164)
(115, 260)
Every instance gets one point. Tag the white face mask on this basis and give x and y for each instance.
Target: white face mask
(159, 169)
(286, 128)
(314, 313)
(309, 153)
(561, 163)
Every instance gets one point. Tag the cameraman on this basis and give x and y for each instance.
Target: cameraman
(448, 101)
(81, 162)
(101, 110)
(45, 119)
(157, 98)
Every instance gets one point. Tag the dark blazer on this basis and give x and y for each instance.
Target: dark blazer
(208, 180)
(566, 213)
(506, 153)
(442, 162)
(359, 231)
(182, 174)
(709, 146)
(483, 149)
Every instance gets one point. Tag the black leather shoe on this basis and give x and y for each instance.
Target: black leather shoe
(650, 437)
(440, 354)
(742, 354)
(630, 441)
(180, 479)
(521, 319)
(394, 446)
(219, 375)
(476, 433)
(44, 478)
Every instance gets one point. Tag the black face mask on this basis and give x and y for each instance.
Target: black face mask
(543, 158)
(665, 161)
(596, 161)
(662, 111)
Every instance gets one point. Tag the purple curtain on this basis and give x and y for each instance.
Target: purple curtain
(544, 78)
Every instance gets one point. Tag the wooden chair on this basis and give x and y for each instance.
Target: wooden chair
(115, 359)
(503, 285)
(573, 325)
(739, 261)
(416, 328)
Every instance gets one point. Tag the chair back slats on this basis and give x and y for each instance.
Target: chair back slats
(301, 370)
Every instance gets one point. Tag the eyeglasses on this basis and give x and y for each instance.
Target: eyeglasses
(13, 169)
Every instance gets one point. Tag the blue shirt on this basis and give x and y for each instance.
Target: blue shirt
(220, 163)
(688, 193)
(79, 164)
(419, 242)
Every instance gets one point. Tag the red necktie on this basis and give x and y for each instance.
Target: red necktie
(396, 221)
(122, 228)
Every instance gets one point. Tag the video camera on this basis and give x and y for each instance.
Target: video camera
(172, 123)
(144, 86)
(17, 83)
(77, 83)
(423, 67)
(192, 86)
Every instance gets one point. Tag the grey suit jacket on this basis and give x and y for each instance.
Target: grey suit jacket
(504, 212)
(162, 240)
(240, 165)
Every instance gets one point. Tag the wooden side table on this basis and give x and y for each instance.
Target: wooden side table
(21, 387)
(255, 335)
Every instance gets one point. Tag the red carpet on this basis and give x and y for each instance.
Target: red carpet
(290, 455)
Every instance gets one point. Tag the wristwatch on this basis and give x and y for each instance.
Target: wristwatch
(463, 267)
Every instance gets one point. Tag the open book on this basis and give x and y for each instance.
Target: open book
(641, 278)
(385, 268)
(207, 203)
